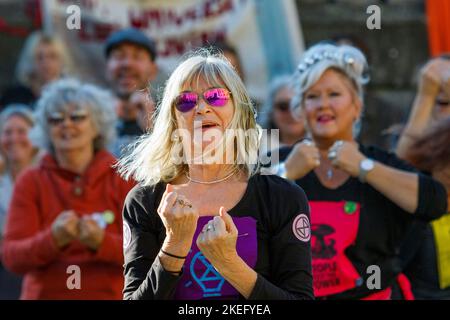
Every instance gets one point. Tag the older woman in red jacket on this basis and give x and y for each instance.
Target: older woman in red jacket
(64, 230)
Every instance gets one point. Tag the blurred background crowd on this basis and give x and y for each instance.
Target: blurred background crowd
(71, 115)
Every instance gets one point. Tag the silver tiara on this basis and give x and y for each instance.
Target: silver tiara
(337, 56)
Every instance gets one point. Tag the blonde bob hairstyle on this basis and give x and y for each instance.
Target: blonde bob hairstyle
(150, 160)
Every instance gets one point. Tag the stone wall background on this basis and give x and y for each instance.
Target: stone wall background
(396, 52)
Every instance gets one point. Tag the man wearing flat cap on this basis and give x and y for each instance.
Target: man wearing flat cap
(130, 68)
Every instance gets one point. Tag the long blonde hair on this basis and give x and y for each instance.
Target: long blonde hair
(150, 159)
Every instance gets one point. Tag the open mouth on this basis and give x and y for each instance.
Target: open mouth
(67, 136)
(209, 126)
(127, 77)
(205, 125)
(326, 118)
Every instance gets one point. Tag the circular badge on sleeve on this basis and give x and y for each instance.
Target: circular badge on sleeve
(302, 228)
(126, 235)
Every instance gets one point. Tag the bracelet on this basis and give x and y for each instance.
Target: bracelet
(175, 273)
(172, 255)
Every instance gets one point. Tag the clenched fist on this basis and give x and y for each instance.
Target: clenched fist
(303, 158)
(180, 218)
(90, 233)
(345, 155)
(218, 240)
(434, 76)
(65, 228)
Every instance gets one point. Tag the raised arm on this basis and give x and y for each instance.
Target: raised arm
(430, 83)
(154, 260)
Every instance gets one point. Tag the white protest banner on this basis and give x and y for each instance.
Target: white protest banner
(265, 33)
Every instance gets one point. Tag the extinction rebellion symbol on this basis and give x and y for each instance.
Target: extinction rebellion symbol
(302, 228)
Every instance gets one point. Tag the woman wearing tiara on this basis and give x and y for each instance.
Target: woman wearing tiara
(363, 200)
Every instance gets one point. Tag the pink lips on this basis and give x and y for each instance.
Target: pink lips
(325, 118)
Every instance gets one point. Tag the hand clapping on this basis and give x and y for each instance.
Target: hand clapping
(68, 227)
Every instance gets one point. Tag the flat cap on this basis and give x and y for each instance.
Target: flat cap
(130, 35)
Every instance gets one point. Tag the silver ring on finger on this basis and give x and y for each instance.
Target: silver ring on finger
(307, 142)
(339, 143)
(212, 226)
(183, 203)
(332, 155)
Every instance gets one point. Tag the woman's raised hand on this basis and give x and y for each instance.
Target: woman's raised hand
(303, 158)
(65, 228)
(345, 155)
(218, 240)
(180, 218)
(433, 77)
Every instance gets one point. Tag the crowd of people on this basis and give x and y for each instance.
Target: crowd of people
(105, 179)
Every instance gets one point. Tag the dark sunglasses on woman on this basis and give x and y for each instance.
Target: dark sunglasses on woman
(443, 103)
(282, 106)
(76, 116)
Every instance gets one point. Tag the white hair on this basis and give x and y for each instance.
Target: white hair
(346, 59)
(60, 95)
(275, 86)
(150, 160)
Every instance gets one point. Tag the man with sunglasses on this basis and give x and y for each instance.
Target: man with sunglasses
(131, 66)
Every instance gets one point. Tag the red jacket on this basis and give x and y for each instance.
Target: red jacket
(39, 196)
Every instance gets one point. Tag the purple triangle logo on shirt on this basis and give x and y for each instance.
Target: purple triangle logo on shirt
(200, 279)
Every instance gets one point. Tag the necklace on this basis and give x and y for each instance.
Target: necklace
(210, 182)
(330, 173)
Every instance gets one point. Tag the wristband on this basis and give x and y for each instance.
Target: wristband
(172, 255)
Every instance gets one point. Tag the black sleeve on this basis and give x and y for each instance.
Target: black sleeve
(432, 199)
(432, 196)
(145, 278)
(291, 273)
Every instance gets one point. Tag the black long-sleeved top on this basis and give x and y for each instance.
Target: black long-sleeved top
(273, 247)
(383, 225)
